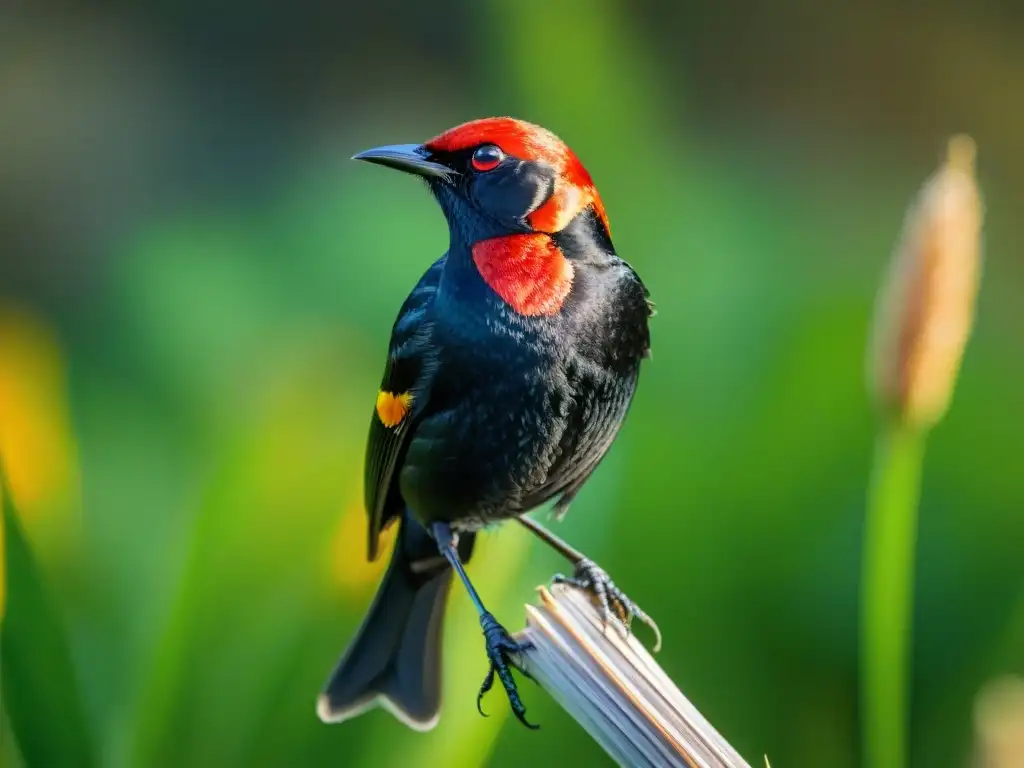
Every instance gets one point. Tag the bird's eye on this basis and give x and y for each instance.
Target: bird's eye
(488, 157)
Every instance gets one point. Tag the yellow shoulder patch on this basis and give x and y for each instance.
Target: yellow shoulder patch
(392, 408)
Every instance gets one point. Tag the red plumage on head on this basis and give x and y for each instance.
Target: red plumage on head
(574, 189)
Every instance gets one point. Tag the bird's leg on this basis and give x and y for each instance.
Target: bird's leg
(500, 645)
(590, 577)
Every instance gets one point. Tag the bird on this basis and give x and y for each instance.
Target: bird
(510, 369)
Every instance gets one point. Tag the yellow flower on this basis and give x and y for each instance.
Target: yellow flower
(349, 567)
(3, 565)
(35, 438)
(36, 450)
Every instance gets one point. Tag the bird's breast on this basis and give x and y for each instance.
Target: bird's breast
(520, 406)
(498, 433)
(527, 271)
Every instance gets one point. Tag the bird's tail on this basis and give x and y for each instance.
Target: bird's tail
(395, 658)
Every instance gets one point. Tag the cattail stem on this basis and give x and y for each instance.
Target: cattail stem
(890, 540)
(923, 319)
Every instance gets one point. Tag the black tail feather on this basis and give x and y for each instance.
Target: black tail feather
(395, 658)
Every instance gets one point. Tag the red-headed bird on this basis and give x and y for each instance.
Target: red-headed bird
(511, 367)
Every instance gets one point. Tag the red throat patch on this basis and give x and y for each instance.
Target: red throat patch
(528, 271)
(574, 189)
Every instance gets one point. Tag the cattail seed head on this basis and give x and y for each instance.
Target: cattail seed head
(999, 724)
(925, 308)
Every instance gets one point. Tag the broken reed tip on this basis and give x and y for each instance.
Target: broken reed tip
(608, 682)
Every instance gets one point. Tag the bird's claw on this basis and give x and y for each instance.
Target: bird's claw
(590, 577)
(500, 648)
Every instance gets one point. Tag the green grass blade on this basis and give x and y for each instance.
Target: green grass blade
(887, 594)
(40, 689)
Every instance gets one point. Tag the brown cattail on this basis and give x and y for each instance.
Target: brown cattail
(999, 724)
(926, 306)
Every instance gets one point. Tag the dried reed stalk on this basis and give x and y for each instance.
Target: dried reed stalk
(613, 687)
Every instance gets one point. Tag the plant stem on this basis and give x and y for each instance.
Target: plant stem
(890, 540)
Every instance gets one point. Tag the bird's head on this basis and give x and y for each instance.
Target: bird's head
(499, 176)
(517, 199)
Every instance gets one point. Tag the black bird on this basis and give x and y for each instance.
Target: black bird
(511, 367)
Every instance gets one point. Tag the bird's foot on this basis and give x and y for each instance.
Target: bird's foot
(590, 577)
(500, 647)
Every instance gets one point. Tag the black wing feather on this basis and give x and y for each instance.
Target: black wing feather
(404, 371)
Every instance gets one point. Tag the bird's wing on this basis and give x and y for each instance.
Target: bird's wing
(400, 398)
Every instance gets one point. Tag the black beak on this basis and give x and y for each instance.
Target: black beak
(411, 158)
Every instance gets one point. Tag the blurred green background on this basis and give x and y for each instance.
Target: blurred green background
(196, 292)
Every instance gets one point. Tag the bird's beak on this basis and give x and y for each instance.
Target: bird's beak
(411, 158)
